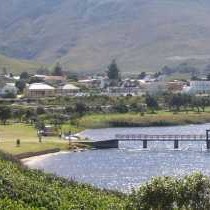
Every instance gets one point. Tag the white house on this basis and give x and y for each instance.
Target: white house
(39, 90)
(197, 87)
(70, 90)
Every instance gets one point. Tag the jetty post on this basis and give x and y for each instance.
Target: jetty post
(207, 139)
(144, 144)
(176, 144)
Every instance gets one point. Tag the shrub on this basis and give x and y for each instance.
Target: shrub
(165, 193)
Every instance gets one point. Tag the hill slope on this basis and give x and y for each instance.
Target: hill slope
(17, 65)
(87, 34)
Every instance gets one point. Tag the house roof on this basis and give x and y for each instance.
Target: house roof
(54, 78)
(40, 86)
(70, 87)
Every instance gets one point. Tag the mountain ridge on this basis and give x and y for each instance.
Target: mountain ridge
(86, 35)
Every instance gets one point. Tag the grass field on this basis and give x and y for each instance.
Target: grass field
(28, 138)
(163, 118)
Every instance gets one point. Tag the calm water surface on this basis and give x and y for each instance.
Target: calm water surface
(130, 165)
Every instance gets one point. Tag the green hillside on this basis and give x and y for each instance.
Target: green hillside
(17, 65)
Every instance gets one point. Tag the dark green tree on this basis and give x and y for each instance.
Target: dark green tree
(24, 75)
(5, 114)
(20, 84)
(121, 108)
(57, 71)
(113, 72)
(151, 102)
(81, 108)
(142, 75)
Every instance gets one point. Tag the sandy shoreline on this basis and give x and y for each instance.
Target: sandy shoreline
(31, 160)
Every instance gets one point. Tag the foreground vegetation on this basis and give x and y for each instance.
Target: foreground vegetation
(23, 189)
(26, 189)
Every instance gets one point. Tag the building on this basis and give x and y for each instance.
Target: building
(39, 90)
(55, 79)
(8, 88)
(50, 79)
(68, 90)
(175, 86)
(198, 87)
(154, 88)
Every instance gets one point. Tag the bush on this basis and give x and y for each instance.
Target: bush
(192, 192)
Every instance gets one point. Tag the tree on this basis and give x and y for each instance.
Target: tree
(151, 102)
(43, 71)
(121, 108)
(176, 101)
(20, 84)
(113, 71)
(30, 116)
(18, 114)
(81, 108)
(57, 71)
(5, 114)
(40, 110)
(142, 75)
(24, 75)
(204, 102)
(35, 80)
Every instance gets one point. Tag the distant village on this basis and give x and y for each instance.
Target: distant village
(35, 86)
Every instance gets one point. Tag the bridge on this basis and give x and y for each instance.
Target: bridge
(144, 138)
(163, 138)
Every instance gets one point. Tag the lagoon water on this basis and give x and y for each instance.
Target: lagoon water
(129, 166)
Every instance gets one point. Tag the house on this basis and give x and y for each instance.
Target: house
(198, 87)
(50, 79)
(68, 90)
(175, 86)
(39, 90)
(154, 88)
(55, 79)
(8, 88)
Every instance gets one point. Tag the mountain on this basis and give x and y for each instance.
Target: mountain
(13, 65)
(84, 35)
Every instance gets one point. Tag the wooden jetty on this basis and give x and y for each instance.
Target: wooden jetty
(114, 143)
(163, 138)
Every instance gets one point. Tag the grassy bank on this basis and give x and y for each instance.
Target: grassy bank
(29, 141)
(137, 120)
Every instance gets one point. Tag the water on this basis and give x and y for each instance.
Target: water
(129, 166)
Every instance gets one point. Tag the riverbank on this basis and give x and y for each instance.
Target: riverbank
(28, 161)
(161, 118)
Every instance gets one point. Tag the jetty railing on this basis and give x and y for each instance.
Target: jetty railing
(141, 137)
(170, 138)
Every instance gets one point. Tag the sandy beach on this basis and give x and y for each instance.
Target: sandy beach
(30, 161)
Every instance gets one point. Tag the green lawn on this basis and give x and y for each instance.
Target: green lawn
(28, 138)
